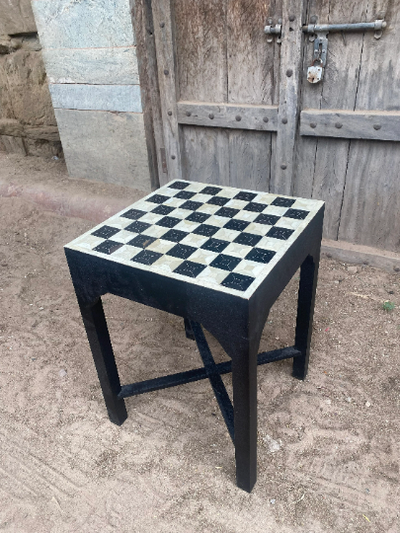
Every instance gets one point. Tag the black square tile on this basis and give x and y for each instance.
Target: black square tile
(190, 269)
(174, 235)
(168, 222)
(249, 239)
(283, 202)
(211, 190)
(105, 232)
(299, 214)
(182, 251)
(157, 199)
(163, 210)
(218, 200)
(146, 257)
(260, 256)
(270, 220)
(137, 226)
(108, 247)
(206, 230)
(227, 212)
(141, 241)
(280, 233)
(246, 196)
(133, 214)
(190, 205)
(198, 217)
(237, 225)
(179, 185)
(215, 245)
(255, 207)
(225, 262)
(237, 281)
(185, 195)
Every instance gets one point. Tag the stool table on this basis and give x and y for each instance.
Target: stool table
(216, 256)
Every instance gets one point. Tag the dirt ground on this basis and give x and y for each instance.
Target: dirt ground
(328, 447)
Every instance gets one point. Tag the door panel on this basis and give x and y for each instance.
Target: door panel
(322, 163)
(371, 203)
(222, 57)
(239, 111)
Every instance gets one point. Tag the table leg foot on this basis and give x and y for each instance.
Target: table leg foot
(305, 312)
(188, 330)
(244, 378)
(100, 344)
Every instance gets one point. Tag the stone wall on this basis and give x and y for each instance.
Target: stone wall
(27, 121)
(90, 56)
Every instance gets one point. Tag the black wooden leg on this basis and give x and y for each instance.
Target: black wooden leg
(244, 377)
(100, 344)
(189, 330)
(305, 312)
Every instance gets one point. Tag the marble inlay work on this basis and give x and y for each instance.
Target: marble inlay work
(223, 238)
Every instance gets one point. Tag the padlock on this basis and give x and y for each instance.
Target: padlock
(315, 73)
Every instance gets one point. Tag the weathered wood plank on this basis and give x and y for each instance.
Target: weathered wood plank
(166, 79)
(250, 159)
(244, 117)
(289, 92)
(200, 30)
(371, 202)
(253, 63)
(371, 208)
(253, 70)
(147, 65)
(204, 154)
(322, 163)
(201, 68)
(376, 125)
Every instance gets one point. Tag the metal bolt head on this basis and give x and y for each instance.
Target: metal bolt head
(313, 19)
(338, 125)
(283, 166)
(238, 118)
(162, 24)
(211, 116)
(292, 18)
(284, 121)
(173, 157)
(188, 113)
(170, 113)
(289, 72)
(313, 125)
(166, 72)
(265, 119)
(377, 126)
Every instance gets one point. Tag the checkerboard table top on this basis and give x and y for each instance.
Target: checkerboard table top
(223, 238)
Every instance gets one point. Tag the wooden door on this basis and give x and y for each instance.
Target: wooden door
(348, 151)
(234, 109)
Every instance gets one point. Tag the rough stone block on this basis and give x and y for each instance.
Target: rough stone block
(122, 98)
(83, 23)
(16, 16)
(10, 126)
(13, 145)
(105, 146)
(27, 97)
(116, 66)
(43, 148)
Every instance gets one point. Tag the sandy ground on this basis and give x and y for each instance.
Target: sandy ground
(328, 447)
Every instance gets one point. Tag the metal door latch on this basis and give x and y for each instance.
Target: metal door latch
(318, 33)
(271, 31)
